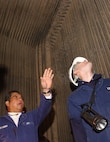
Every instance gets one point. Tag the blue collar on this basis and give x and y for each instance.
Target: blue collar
(92, 82)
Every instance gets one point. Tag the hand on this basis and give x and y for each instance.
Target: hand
(46, 79)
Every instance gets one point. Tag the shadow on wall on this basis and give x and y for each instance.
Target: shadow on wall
(3, 73)
(43, 139)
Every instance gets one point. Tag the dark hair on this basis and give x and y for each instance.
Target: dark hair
(7, 97)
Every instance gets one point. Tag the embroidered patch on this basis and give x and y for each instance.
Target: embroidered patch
(108, 88)
(28, 123)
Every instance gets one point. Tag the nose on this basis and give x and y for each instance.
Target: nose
(20, 98)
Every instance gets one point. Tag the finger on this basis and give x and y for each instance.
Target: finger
(52, 76)
(50, 72)
(45, 73)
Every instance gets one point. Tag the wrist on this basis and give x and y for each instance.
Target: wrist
(46, 91)
(48, 94)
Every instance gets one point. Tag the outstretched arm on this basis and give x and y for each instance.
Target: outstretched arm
(45, 98)
(46, 80)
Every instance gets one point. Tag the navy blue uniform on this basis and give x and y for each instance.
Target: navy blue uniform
(82, 131)
(27, 130)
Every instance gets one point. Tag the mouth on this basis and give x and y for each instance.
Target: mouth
(21, 104)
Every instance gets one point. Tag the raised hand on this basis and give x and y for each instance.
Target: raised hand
(46, 79)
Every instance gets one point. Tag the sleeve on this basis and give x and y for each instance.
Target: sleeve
(77, 127)
(40, 113)
(78, 130)
(48, 97)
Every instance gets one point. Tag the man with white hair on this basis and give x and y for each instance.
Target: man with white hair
(89, 104)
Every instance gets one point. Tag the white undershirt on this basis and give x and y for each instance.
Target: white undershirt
(15, 116)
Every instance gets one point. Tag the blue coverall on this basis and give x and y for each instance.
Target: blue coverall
(27, 130)
(82, 131)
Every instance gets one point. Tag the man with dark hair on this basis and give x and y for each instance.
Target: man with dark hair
(89, 103)
(20, 126)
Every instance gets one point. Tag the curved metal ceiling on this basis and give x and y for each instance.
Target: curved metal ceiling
(27, 21)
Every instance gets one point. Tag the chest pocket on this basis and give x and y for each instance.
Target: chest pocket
(28, 124)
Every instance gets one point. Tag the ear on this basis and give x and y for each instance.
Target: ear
(75, 72)
(7, 103)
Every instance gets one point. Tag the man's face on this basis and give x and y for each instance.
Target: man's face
(83, 67)
(16, 103)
